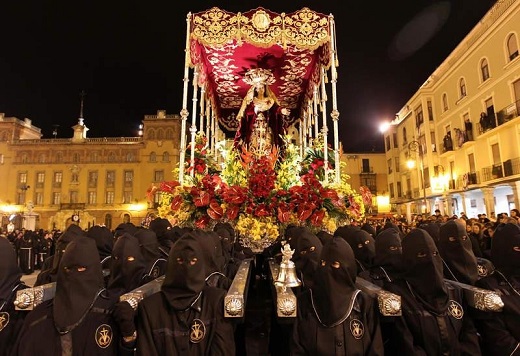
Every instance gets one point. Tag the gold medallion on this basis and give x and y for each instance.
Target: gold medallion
(357, 329)
(104, 336)
(4, 320)
(198, 331)
(455, 310)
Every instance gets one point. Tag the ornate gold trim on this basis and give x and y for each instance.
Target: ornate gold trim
(305, 29)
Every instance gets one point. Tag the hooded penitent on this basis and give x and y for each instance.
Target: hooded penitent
(160, 226)
(124, 227)
(186, 273)
(104, 240)
(433, 228)
(505, 250)
(79, 283)
(10, 272)
(307, 249)
(128, 266)
(149, 246)
(72, 232)
(362, 244)
(457, 253)
(389, 253)
(423, 270)
(334, 290)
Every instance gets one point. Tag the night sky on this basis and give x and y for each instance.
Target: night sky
(129, 58)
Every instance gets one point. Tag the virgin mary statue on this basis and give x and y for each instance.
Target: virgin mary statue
(262, 123)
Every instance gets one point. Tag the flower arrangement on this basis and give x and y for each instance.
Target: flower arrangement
(261, 195)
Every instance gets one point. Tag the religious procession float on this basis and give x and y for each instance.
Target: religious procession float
(256, 147)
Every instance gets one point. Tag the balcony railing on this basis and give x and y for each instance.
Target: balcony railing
(507, 168)
(501, 117)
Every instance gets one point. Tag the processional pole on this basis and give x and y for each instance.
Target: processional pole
(335, 112)
(324, 129)
(184, 111)
(193, 128)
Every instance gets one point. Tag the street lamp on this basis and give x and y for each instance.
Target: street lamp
(415, 146)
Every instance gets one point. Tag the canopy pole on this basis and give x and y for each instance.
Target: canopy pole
(324, 128)
(184, 111)
(193, 128)
(335, 113)
(314, 116)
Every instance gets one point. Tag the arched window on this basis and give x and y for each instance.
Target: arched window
(166, 157)
(130, 157)
(153, 157)
(484, 70)
(462, 88)
(512, 47)
(169, 134)
(75, 157)
(444, 102)
(59, 157)
(160, 134)
(151, 134)
(405, 139)
(42, 158)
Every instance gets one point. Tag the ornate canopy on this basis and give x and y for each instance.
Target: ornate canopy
(223, 46)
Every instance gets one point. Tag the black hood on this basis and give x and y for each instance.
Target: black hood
(10, 272)
(307, 249)
(104, 240)
(72, 232)
(128, 265)
(79, 282)
(334, 286)
(457, 253)
(361, 242)
(505, 250)
(423, 270)
(186, 273)
(149, 245)
(389, 252)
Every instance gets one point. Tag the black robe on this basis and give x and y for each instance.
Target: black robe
(78, 321)
(335, 318)
(435, 320)
(11, 320)
(187, 316)
(500, 332)
(163, 331)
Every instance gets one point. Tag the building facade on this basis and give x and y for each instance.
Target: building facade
(368, 169)
(46, 183)
(462, 127)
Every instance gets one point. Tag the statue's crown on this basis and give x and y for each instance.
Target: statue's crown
(259, 76)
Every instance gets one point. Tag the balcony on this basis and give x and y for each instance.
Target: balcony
(507, 168)
(501, 117)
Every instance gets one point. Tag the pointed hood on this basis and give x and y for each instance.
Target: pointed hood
(505, 250)
(79, 282)
(389, 252)
(423, 270)
(307, 249)
(72, 232)
(128, 265)
(457, 253)
(186, 272)
(334, 287)
(104, 240)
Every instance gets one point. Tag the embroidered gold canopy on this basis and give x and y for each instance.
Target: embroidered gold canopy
(224, 46)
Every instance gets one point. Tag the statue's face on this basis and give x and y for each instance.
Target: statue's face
(260, 89)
